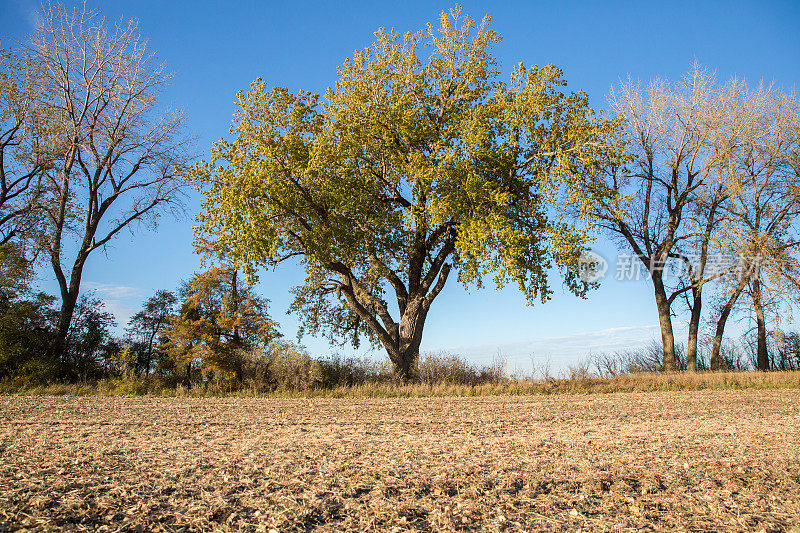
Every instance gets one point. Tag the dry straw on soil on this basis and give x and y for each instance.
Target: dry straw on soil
(702, 460)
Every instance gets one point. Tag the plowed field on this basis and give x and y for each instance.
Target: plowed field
(709, 460)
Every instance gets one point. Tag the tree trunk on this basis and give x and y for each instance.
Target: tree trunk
(405, 356)
(405, 365)
(188, 377)
(716, 360)
(665, 322)
(236, 340)
(58, 345)
(69, 298)
(694, 327)
(150, 352)
(762, 358)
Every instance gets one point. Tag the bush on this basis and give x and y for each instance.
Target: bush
(37, 372)
(337, 371)
(649, 358)
(281, 365)
(447, 368)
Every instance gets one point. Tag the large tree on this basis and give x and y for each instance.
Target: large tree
(418, 162)
(122, 155)
(761, 127)
(659, 202)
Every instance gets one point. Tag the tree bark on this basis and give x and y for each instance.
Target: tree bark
(402, 339)
(716, 360)
(150, 342)
(698, 279)
(236, 339)
(762, 357)
(69, 299)
(694, 327)
(404, 354)
(665, 322)
(188, 378)
(405, 365)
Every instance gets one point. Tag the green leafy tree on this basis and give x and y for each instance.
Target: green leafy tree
(419, 161)
(26, 320)
(147, 325)
(25, 328)
(89, 342)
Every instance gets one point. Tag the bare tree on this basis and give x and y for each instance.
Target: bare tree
(123, 157)
(647, 199)
(701, 256)
(762, 127)
(24, 150)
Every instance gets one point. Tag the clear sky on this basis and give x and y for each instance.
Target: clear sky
(216, 48)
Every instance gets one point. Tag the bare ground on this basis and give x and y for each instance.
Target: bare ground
(701, 460)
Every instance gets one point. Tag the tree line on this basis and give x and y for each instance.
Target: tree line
(420, 163)
(708, 192)
(208, 330)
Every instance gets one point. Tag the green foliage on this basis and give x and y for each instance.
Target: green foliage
(420, 159)
(25, 326)
(25, 321)
(90, 346)
(145, 331)
(15, 270)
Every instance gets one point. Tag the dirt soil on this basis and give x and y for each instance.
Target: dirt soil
(701, 461)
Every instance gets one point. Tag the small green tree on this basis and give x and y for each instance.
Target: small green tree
(145, 327)
(89, 342)
(26, 321)
(420, 160)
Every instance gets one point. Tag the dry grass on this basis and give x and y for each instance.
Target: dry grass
(703, 460)
(641, 382)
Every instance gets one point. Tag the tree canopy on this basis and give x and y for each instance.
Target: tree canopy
(219, 319)
(420, 160)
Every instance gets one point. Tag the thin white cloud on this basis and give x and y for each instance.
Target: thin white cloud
(122, 313)
(32, 12)
(113, 291)
(561, 351)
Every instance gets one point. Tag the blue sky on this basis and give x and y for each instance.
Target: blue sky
(216, 48)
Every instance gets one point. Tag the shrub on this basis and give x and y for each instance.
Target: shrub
(281, 365)
(337, 371)
(447, 368)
